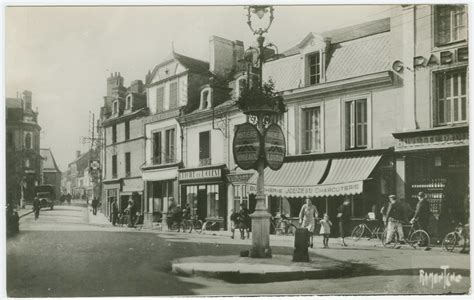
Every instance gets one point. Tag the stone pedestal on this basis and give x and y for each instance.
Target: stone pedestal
(261, 234)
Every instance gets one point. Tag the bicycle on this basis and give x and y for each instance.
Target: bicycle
(282, 226)
(416, 237)
(193, 223)
(453, 239)
(210, 225)
(363, 229)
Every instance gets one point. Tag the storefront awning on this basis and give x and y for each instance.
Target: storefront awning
(346, 175)
(294, 179)
(300, 179)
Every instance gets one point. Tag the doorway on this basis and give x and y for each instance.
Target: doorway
(202, 203)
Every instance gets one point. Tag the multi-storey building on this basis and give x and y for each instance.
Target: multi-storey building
(23, 159)
(172, 89)
(122, 133)
(76, 180)
(432, 146)
(50, 173)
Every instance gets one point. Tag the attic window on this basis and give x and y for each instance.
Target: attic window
(128, 102)
(206, 98)
(313, 68)
(239, 86)
(115, 107)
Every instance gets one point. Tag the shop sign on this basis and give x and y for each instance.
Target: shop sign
(274, 146)
(246, 146)
(442, 58)
(94, 164)
(339, 189)
(239, 177)
(200, 174)
(433, 141)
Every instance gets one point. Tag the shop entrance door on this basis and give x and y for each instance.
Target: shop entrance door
(202, 203)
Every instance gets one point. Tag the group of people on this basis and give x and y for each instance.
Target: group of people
(240, 220)
(133, 214)
(395, 215)
(178, 215)
(308, 217)
(65, 197)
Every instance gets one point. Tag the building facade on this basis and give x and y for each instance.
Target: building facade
(23, 159)
(432, 147)
(50, 173)
(123, 138)
(76, 180)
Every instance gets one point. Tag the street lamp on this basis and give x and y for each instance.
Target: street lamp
(260, 103)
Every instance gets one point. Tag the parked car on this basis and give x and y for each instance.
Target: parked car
(46, 195)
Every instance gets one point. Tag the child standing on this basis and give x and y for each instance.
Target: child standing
(325, 230)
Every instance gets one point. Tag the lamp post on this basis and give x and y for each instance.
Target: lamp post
(260, 106)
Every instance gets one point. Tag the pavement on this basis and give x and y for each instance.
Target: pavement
(68, 253)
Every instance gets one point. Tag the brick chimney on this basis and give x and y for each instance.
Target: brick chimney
(136, 86)
(27, 100)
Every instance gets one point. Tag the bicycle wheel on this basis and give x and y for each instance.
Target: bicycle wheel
(391, 244)
(419, 238)
(449, 242)
(357, 232)
(379, 233)
(198, 226)
(173, 227)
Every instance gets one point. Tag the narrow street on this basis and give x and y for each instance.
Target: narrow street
(65, 254)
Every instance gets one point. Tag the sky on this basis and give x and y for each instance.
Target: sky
(65, 54)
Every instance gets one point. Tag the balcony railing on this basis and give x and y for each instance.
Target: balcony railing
(164, 159)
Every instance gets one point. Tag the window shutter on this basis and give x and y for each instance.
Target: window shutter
(160, 98)
(173, 95)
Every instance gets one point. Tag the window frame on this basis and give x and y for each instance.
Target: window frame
(114, 166)
(128, 164)
(436, 75)
(128, 102)
(114, 133)
(436, 24)
(115, 107)
(318, 65)
(301, 125)
(164, 157)
(368, 121)
(239, 86)
(207, 90)
(127, 129)
(205, 160)
(172, 103)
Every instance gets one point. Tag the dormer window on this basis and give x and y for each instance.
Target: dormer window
(206, 98)
(128, 102)
(239, 86)
(313, 68)
(115, 107)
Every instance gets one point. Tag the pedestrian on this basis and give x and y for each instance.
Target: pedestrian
(130, 210)
(36, 207)
(95, 204)
(115, 212)
(394, 220)
(186, 212)
(234, 219)
(244, 222)
(344, 216)
(422, 212)
(68, 198)
(308, 216)
(325, 230)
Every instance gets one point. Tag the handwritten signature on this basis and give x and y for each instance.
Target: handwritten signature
(444, 277)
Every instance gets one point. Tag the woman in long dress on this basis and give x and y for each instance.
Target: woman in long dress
(308, 216)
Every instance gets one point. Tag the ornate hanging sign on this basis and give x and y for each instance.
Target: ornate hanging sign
(274, 146)
(246, 146)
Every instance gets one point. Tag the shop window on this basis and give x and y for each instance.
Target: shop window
(312, 129)
(160, 98)
(191, 198)
(170, 146)
(213, 201)
(313, 68)
(240, 197)
(157, 148)
(127, 164)
(452, 101)
(450, 24)
(173, 95)
(161, 193)
(127, 130)
(114, 133)
(114, 166)
(28, 142)
(204, 148)
(356, 124)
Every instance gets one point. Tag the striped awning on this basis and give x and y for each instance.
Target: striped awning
(300, 179)
(294, 179)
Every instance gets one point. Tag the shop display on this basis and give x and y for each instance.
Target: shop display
(434, 191)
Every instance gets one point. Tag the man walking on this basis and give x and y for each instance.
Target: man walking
(94, 203)
(36, 207)
(114, 212)
(394, 219)
(422, 212)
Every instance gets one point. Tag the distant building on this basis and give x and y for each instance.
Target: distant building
(76, 179)
(121, 130)
(50, 173)
(23, 159)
